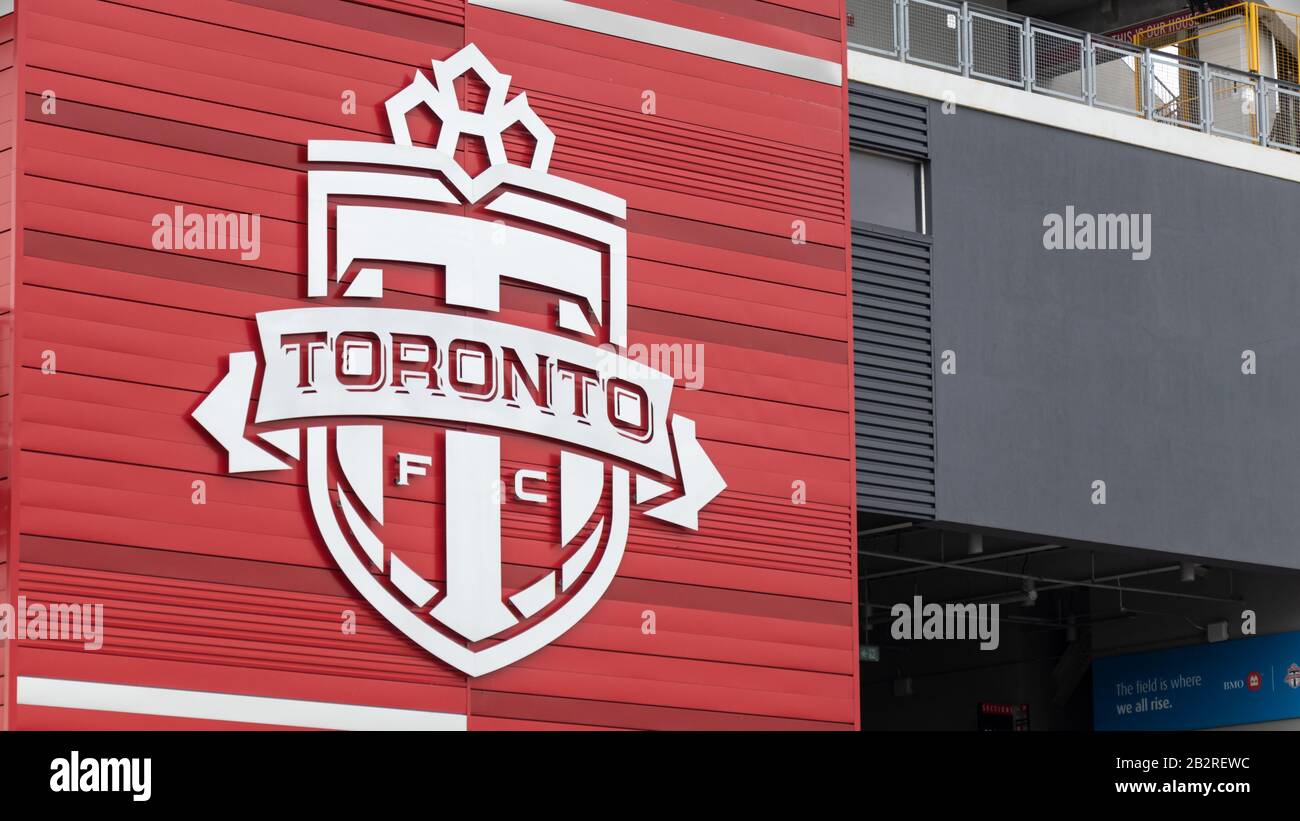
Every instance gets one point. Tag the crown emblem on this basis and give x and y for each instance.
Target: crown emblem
(490, 124)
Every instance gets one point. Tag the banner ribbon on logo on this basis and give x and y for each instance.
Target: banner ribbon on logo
(385, 362)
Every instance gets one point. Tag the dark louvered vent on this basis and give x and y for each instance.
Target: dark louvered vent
(887, 121)
(893, 360)
(894, 373)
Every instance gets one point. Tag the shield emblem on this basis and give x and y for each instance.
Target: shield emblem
(470, 623)
(476, 382)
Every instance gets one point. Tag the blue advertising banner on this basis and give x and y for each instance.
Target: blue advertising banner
(1201, 685)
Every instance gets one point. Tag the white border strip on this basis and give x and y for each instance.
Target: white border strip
(285, 712)
(1070, 116)
(680, 38)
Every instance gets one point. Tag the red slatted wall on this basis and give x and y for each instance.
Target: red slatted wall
(8, 109)
(210, 104)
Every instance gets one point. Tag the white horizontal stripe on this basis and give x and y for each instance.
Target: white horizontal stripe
(285, 712)
(1070, 116)
(629, 27)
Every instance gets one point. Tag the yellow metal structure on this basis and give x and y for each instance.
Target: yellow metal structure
(1271, 38)
(1252, 40)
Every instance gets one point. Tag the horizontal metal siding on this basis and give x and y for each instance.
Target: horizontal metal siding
(8, 80)
(716, 165)
(210, 103)
(887, 121)
(893, 365)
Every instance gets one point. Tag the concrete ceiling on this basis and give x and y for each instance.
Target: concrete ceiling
(1096, 15)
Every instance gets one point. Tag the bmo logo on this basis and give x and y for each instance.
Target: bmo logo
(527, 427)
(1252, 682)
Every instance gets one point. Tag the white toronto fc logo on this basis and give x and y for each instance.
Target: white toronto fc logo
(601, 419)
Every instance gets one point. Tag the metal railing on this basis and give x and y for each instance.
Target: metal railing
(1042, 58)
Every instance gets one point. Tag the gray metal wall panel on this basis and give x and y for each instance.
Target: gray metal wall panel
(1076, 366)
